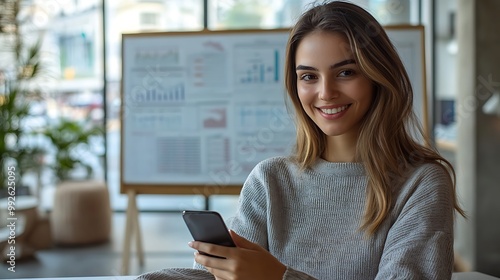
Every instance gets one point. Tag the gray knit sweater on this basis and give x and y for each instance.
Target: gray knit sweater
(310, 222)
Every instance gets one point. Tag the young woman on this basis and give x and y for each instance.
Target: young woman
(361, 198)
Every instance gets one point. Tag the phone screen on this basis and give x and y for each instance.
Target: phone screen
(208, 226)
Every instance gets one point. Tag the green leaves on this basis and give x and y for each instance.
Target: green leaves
(12, 111)
(19, 91)
(68, 137)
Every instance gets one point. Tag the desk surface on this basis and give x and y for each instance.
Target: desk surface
(456, 276)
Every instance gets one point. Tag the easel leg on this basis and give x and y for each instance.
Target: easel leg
(129, 231)
(137, 230)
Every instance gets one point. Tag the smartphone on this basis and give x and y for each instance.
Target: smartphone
(208, 226)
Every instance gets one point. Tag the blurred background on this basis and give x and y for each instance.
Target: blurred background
(60, 76)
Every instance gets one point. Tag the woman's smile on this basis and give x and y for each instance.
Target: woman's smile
(333, 112)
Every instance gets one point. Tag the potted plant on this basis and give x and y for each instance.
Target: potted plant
(69, 141)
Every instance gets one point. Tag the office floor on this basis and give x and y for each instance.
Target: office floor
(164, 237)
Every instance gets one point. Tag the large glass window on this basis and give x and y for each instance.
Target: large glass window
(239, 14)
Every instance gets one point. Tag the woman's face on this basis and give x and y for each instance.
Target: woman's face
(331, 88)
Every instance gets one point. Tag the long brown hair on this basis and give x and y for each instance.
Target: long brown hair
(388, 143)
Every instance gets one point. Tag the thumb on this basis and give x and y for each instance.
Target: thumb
(241, 242)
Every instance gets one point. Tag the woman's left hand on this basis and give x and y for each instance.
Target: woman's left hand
(246, 261)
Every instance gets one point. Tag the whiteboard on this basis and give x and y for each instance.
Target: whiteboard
(203, 108)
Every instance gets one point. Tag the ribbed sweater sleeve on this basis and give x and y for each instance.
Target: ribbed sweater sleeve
(419, 244)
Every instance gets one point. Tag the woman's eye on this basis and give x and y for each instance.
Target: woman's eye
(307, 77)
(346, 73)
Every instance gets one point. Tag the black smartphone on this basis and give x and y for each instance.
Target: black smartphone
(208, 226)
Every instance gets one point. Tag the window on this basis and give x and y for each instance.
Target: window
(76, 55)
(239, 14)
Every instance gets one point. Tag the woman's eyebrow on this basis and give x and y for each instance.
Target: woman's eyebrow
(338, 64)
(303, 67)
(342, 63)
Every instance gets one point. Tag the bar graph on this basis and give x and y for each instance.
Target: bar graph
(173, 94)
(257, 66)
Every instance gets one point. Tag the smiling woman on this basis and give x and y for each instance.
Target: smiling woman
(332, 90)
(360, 197)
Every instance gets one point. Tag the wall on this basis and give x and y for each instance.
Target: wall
(478, 153)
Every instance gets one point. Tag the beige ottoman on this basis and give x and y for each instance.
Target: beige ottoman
(81, 213)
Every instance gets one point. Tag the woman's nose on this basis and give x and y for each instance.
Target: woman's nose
(328, 91)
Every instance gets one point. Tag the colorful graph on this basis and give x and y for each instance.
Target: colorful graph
(215, 118)
(258, 66)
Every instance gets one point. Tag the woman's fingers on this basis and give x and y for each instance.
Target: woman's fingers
(212, 249)
(239, 263)
(218, 267)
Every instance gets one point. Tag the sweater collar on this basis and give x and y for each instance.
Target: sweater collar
(338, 168)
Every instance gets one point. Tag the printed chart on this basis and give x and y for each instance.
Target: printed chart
(257, 65)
